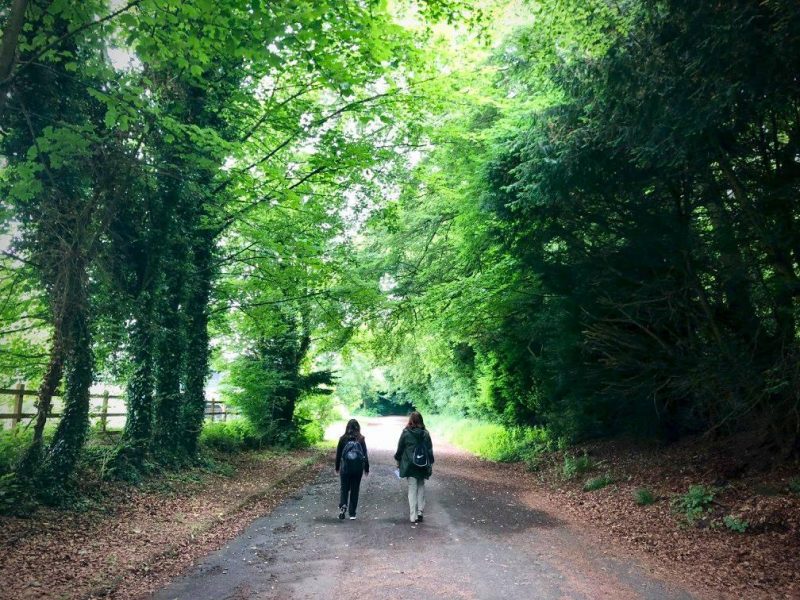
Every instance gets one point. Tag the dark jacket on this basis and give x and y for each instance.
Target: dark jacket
(409, 440)
(340, 448)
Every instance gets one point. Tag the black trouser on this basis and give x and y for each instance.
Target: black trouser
(350, 487)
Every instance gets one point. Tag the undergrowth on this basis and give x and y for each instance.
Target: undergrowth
(597, 483)
(643, 497)
(102, 462)
(735, 524)
(577, 465)
(230, 436)
(492, 441)
(695, 503)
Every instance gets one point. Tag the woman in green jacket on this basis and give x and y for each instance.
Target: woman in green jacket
(414, 459)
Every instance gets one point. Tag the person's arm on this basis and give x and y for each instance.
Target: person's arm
(429, 443)
(366, 456)
(399, 454)
(339, 448)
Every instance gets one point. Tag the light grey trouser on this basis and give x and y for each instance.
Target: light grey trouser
(416, 496)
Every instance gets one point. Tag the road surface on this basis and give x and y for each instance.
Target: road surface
(481, 539)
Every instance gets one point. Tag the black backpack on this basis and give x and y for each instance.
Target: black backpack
(352, 458)
(420, 456)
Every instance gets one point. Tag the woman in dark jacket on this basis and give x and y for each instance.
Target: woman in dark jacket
(415, 436)
(352, 462)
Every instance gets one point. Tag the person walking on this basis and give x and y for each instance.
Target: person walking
(352, 461)
(414, 458)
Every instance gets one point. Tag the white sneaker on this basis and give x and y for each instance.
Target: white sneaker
(353, 518)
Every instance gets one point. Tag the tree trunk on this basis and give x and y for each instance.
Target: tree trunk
(169, 365)
(78, 376)
(196, 368)
(138, 425)
(32, 458)
(8, 50)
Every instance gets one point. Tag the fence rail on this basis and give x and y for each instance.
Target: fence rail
(215, 409)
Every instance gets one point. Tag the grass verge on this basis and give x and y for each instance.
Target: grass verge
(492, 441)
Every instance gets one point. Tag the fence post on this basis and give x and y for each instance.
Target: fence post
(213, 408)
(18, 398)
(104, 412)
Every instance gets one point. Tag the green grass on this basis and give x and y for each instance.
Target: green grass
(577, 465)
(492, 441)
(597, 483)
(13, 444)
(643, 497)
(325, 444)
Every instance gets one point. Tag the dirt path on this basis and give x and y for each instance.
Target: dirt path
(482, 538)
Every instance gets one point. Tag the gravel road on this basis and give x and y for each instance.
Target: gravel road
(483, 538)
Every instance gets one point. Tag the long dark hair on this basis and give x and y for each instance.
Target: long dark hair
(415, 421)
(353, 430)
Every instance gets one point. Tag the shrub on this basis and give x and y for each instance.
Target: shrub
(230, 436)
(15, 498)
(735, 524)
(533, 463)
(577, 465)
(311, 415)
(12, 445)
(694, 503)
(99, 460)
(794, 485)
(643, 497)
(492, 441)
(312, 433)
(597, 483)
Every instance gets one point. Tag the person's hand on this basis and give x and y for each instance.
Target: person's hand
(366, 473)
(337, 471)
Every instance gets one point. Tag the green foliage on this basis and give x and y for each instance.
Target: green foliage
(218, 176)
(577, 465)
(491, 441)
(644, 497)
(589, 243)
(285, 406)
(15, 496)
(12, 446)
(230, 436)
(694, 503)
(578, 232)
(597, 483)
(313, 414)
(735, 523)
(794, 485)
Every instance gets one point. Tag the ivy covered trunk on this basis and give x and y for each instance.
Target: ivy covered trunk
(138, 425)
(78, 377)
(169, 367)
(197, 340)
(44, 401)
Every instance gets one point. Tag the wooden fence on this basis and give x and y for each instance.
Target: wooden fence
(215, 410)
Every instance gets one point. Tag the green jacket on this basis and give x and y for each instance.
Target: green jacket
(409, 440)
